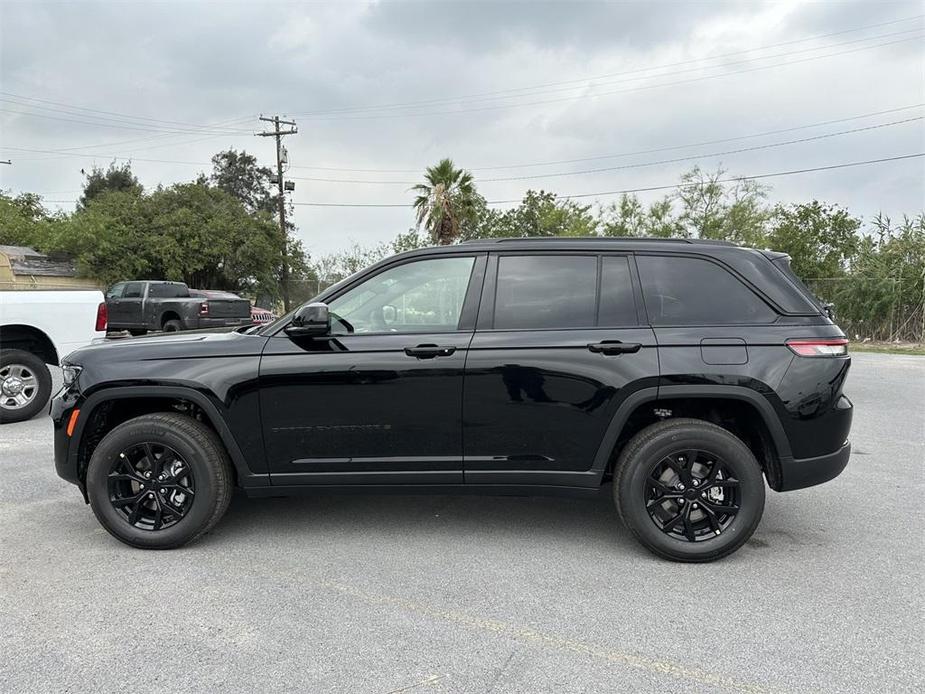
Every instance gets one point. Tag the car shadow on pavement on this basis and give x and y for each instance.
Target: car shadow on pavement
(591, 520)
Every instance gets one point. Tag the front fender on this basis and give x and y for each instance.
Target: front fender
(90, 405)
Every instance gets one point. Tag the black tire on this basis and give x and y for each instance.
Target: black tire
(197, 445)
(25, 385)
(172, 326)
(651, 500)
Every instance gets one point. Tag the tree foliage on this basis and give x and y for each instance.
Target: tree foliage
(116, 178)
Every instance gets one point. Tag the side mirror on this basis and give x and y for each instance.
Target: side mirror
(311, 320)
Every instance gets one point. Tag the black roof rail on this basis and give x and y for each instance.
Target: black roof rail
(626, 239)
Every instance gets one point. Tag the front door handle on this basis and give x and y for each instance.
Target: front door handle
(429, 351)
(615, 347)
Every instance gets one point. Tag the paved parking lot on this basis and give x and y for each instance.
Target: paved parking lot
(441, 594)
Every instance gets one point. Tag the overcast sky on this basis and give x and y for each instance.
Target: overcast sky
(382, 89)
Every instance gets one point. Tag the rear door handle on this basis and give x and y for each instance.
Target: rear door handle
(615, 347)
(429, 351)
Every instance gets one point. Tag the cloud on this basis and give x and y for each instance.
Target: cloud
(329, 64)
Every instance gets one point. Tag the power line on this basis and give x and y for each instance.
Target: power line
(638, 165)
(618, 91)
(123, 116)
(644, 189)
(67, 153)
(111, 123)
(613, 74)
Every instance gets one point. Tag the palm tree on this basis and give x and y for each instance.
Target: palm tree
(445, 201)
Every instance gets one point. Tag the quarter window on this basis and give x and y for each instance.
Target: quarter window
(693, 291)
(417, 297)
(546, 291)
(618, 305)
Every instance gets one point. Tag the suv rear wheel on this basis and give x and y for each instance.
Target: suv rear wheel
(159, 481)
(689, 490)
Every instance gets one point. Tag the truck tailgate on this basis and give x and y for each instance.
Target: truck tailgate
(229, 308)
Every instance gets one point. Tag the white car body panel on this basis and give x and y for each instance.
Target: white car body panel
(67, 317)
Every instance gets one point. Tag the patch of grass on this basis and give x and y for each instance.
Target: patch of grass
(888, 347)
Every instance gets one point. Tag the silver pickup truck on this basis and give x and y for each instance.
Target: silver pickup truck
(141, 306)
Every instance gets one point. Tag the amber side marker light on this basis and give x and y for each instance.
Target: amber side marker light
(815, 347)
(72, 422)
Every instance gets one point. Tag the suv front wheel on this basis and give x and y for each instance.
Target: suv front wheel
(689, 490)
(159, 481)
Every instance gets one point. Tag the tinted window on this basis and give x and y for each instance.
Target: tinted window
(691, 291)
(546, 291)
(618, 305)
(167, 291)
(133, 290)
(422, 296)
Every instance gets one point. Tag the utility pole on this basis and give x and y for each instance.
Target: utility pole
(278, 134)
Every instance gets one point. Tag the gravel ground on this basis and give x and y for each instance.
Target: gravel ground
(442, 594)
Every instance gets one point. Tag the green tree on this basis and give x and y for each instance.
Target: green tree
(628, 217)
(238, 174)
(820, 239)
(540, 213)
(445, 202)
(714, 208)
(23, 221)
(116, 178)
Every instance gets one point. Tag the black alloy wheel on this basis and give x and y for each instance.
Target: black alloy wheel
(689, 490)
(692, 495)
(151, 485)
(160, 480)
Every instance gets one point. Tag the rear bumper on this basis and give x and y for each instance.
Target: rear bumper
(222, 322)
(799, 473)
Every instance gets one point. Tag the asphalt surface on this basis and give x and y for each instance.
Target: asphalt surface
(465, 594)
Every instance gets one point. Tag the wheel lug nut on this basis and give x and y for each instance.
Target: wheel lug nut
(148, 475)
(696, 483)
(695, 505)
(163, 491)
(703, 494)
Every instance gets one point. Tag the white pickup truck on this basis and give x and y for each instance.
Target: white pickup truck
(40, 327)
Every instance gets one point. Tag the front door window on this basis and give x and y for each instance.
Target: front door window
(425, 296)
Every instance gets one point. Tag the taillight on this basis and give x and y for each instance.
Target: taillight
(102, 317)
(204, 308)
(819, 347)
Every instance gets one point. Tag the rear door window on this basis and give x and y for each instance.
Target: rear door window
(133, 290)
(546, 291)
(694, 291)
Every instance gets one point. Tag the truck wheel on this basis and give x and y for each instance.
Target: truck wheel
(172, 326)
(688, 490)
(25, 385)
(159, 481)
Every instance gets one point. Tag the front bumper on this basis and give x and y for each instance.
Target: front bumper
(60, 410)
(799, 473)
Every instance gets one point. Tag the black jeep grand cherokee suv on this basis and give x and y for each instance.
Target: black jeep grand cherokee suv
(682, 373)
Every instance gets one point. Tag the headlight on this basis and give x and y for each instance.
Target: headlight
(70, 373)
